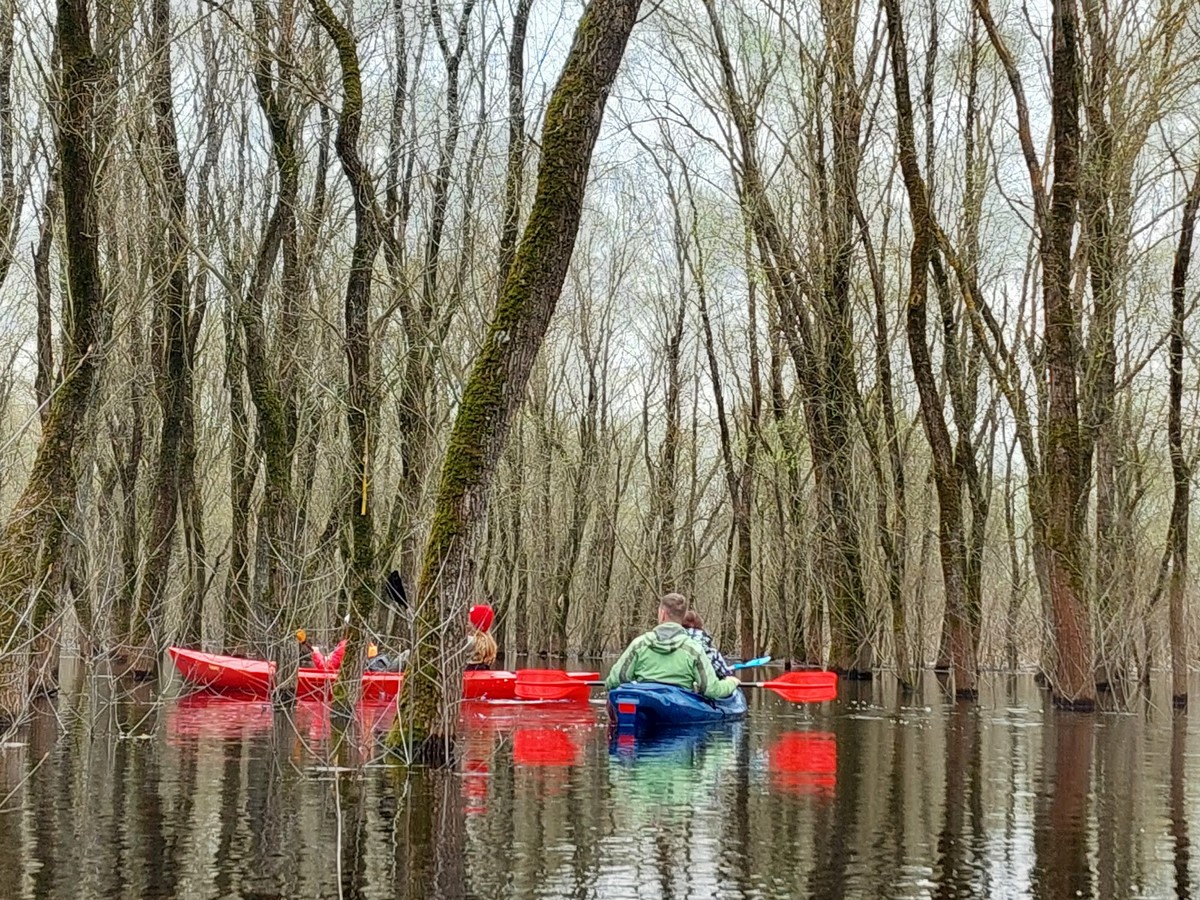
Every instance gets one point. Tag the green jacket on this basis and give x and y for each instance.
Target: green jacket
(669, 655)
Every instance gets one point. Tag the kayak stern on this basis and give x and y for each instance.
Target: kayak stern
(641, 707)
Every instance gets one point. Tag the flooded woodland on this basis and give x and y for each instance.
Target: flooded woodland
(139, 795)
(864, 331)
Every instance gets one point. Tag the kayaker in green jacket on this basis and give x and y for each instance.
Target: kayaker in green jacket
(669, 655)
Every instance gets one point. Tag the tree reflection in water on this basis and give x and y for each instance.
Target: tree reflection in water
(113, 794)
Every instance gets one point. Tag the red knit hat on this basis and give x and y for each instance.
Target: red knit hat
(482, 616)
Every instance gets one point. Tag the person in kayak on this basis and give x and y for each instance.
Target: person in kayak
(694, 625)
(333, 661)
(669, 655)
(480, 643)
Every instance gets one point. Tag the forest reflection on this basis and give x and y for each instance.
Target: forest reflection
(121, 795)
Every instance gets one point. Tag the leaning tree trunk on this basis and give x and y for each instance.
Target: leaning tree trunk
(367, 238)
(1180, 470)
(30, 542)
(947, 477)
(501, 371)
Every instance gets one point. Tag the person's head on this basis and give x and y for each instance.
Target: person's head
(672, 608)
(482, 617)
(691, 619)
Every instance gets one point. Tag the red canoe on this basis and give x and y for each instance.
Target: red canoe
(236, 675)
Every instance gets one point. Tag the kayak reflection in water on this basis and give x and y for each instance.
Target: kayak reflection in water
(480, 643)
(665, 777)
(669, 655)
(694, 626)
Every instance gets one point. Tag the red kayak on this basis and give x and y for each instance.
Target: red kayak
(237, 675)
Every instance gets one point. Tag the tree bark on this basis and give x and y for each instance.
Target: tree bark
(1058, 488)
(270, 389)
(31, 538)
(1066, 458)
(951, 530)
(514, 177)
(1180, 470)
(427, 318)
(173, 367)
(568, 556)
(44, 380)
(361, 399)
(664, 486)
(891, 506)
(825, 368)
(12, 195)
(500, 373)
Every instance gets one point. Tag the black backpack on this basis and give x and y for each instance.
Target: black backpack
(393, 590)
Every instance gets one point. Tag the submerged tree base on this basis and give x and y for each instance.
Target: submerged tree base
(436, 751)
(1083, 705)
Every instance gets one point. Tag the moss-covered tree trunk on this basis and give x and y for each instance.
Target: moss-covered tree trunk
(499, 375)
(1060, 474)
(271, 388)
(852, 651)
(173, 367)
(360, 401)
(30, 543)
(1067, 459)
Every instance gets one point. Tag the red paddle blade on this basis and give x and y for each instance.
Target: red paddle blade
(804, 687)
(550, 684)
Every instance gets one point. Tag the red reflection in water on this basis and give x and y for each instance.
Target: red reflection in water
(545, 747)
(544, 735)
(207, 715)
(478, 744)
(804, 762)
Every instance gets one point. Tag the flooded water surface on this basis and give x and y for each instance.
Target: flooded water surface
(112, 794)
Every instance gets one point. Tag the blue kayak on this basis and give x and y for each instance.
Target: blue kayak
(644, 706)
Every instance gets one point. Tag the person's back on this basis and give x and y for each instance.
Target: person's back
(669, 655)
(694, 626)
(481, 646)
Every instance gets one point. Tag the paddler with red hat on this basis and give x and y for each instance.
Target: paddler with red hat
(482, 646)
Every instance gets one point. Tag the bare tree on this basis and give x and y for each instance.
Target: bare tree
(946, 469)
(175, 323)
(1177, 531)
(360, 400)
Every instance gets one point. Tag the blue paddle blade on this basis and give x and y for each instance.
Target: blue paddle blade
(751, 663)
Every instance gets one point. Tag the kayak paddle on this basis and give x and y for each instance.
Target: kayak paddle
(801, 687)
(752, 663)
(796, 687)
